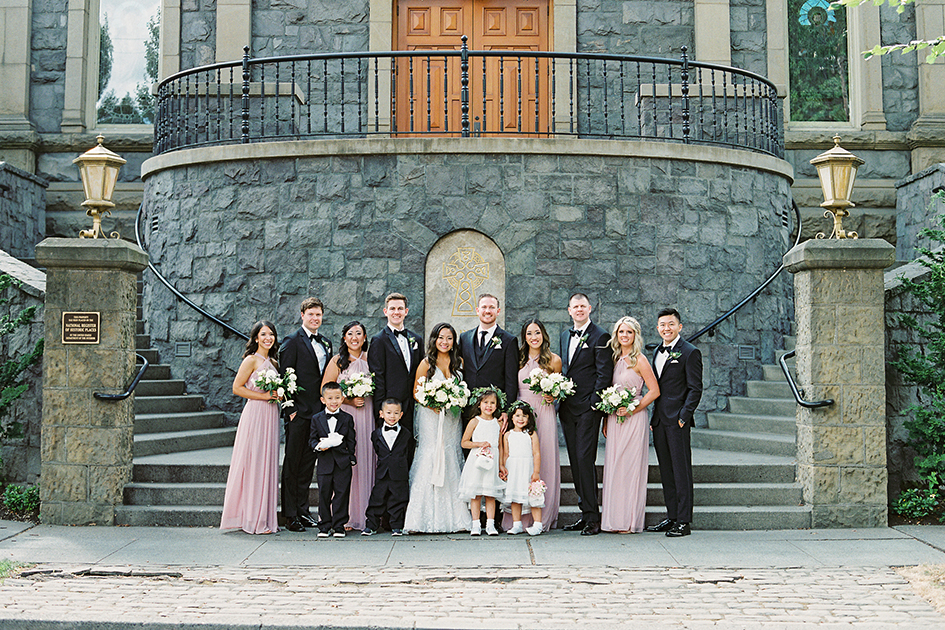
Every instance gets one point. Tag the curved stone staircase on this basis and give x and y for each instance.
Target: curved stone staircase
(743, 463)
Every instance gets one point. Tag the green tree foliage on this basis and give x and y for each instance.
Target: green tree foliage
(925, 366)
(935, 48)
(818, 61)
(106, 54)
(137, 108)
(12, 369)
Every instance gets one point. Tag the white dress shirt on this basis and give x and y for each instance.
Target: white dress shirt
(573, 344)
(404, 345)
(661, 357)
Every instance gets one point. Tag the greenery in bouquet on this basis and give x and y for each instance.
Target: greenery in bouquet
(358, 385)
(449, 395)
(615, 397)
(556, 385)
(284, 386)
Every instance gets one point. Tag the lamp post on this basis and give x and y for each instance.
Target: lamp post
(98, 168)
(836, 169)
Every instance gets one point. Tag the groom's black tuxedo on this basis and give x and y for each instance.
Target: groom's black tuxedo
(591, 368)
(680, 384)
(495, 365)
(298, 465)
(392, 379)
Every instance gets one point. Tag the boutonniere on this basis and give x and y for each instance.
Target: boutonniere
(582, 341)
(325, 344)
(413, 343)
(673, 355)
(496, 342)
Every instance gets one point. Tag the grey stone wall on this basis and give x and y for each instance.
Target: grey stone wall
(22, 211)
(748, 23)
(198, 28)
(900, 72)
(288, 27)
(634, 27)
(914, 210)
(250, 239)
(21, 456)
(48, 61)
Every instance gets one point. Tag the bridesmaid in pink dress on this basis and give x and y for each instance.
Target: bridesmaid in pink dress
(535, 353)
(352, 359)
(626, 453)
(253, 481)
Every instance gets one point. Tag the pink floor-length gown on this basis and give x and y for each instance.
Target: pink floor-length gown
(626, 462)
(547, 421)
(362, 474)
(252, 484)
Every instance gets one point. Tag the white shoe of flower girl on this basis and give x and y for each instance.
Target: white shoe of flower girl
(475, 529)
(490, 528)
(516, 528)
(535, 529)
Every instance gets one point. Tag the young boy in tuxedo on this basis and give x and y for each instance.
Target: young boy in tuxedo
(333, 440)
(393, 445)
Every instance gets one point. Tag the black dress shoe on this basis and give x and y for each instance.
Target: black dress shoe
(679, 529)
(295, 525)
(307, 521)
(592, 529)
(664, 526)
(576, 526)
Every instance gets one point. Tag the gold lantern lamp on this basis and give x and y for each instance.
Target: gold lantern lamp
(98, 168)
(836, 169)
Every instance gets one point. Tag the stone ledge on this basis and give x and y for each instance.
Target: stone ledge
(867, 253)
(78, 253)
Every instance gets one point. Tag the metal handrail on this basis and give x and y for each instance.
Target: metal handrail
(131, 388)
(180, 296)
(794, 390)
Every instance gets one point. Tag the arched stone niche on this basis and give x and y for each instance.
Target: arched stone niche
(460, 267)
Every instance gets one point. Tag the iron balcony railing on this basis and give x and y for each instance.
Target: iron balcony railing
(468, 93)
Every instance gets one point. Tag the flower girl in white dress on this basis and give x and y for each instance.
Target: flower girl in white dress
(481, 474)
(522, 462)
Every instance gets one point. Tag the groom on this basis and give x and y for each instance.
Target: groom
(678, 366)
(588, 361)
(393, 356)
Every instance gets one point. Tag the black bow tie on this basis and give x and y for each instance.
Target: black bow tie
(401, 333)
(387, 427)
(331, 415)
(664, 349)
(315, 337)
(574, 333)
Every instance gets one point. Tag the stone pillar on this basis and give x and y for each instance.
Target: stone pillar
(87, 443)
(839, 322)
(15, 126)
(926, 136)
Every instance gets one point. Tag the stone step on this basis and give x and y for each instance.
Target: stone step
(168, 422)
(157, 372)
(716, 473)
(714, 517)
(139, 326)
(175, 441)
(746, 423)
(168, 404)
(769, 389)
(784, 407)
(732, 494)
(764, 443)
(790, 342)
(170, 387)
(142, 341)
(150, 355)
(168, 515)
(194, 493)
(773, 374)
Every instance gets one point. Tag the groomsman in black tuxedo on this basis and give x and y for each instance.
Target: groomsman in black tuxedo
(308, 353)
(393, 356)
(588, 361)
(678, 366)
(490, 354)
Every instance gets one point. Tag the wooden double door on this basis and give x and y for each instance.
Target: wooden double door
(503, 95)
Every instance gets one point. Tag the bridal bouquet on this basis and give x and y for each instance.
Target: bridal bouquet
(283, 385)
(615, 397)
(357, 385)
(449, 395)
(556, 385)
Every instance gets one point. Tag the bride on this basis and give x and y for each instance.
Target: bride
(435, 505)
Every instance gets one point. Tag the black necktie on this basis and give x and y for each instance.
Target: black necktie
(390, 428)
(482, 344)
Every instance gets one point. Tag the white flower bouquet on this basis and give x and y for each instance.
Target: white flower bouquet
(556, 385)
(615, 397)
(283, 385)
(358, 385)
(449, 395)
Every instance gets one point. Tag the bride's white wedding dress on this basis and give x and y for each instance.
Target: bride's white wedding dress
(435, 506)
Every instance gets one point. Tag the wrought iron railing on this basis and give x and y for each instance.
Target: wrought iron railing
(468, 93)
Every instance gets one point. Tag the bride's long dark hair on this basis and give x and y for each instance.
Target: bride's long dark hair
(252, 345)
(456, 361)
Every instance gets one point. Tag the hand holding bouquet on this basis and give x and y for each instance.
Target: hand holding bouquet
(284, 386)
(357, 385)
(448, 395)
(554, 385)
(615, 397)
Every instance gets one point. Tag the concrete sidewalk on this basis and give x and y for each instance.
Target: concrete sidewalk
(119, 577)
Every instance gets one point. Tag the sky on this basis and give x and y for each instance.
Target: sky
(128, 25)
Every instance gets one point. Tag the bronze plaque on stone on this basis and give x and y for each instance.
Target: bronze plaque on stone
(81, 327)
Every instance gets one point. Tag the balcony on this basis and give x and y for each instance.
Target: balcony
(468, 93)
